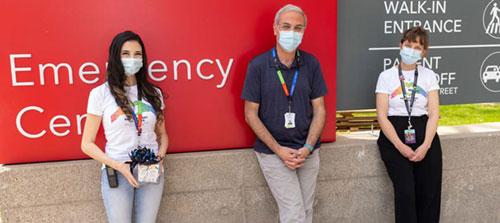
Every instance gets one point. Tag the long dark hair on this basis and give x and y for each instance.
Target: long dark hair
(116, 76)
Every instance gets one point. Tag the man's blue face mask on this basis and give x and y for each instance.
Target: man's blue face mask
(290, 40)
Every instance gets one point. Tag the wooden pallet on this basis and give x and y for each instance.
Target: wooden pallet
(355, 120)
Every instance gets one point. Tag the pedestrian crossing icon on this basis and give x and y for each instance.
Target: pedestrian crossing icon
(491, 19)
(494, 25)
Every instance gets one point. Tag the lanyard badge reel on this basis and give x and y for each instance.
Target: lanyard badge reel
(409, 133)
(289, 115)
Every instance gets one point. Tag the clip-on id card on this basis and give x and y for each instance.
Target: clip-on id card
(410, 136)
(289, 120)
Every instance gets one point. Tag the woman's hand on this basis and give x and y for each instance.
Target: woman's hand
(406, 151)
(162, 168)
(91, 149)
(420, 153)
(388, 129)
(124, 169)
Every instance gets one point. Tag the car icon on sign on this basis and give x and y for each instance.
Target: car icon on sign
(491, 73)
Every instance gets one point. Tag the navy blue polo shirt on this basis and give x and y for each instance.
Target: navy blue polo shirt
(262, 86)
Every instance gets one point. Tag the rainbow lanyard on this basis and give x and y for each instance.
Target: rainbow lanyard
(289, 95)
(138, 116)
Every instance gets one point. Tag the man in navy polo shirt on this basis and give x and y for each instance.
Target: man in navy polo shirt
(284, 106)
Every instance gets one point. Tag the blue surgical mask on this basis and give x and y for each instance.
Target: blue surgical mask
(410, 56)
(290, 40)
(131, 65)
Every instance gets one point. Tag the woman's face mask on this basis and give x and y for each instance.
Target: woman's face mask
(131, 65)
(409, 55)
(411, 51)
(131, 57)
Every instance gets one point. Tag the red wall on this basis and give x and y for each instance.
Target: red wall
(199, 115)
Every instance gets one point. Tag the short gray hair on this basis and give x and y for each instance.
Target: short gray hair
(289, 8)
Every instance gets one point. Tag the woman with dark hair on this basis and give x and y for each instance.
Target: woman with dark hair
(131, 111)
(408, 113)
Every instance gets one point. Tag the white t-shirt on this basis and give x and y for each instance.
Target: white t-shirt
(121, 134)
(388, 83)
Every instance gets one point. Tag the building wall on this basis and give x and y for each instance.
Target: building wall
(227, 186)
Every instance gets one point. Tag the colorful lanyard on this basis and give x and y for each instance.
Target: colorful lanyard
(289, 95)
(409, 108)
(138, 117)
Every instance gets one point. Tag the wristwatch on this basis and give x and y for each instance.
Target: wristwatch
(309, 147)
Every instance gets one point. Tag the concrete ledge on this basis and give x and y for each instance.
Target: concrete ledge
(227, 186)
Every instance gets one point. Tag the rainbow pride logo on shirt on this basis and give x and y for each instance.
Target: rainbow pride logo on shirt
(409, 88)
(119, 111)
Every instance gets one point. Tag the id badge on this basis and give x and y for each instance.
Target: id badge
(148, 173)
(410, 136)
(289, 120)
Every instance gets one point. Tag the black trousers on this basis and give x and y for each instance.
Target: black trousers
(417, 185)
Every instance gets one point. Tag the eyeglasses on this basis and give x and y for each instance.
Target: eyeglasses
(288, 27)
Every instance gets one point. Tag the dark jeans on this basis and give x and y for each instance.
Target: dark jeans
(417, 185)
